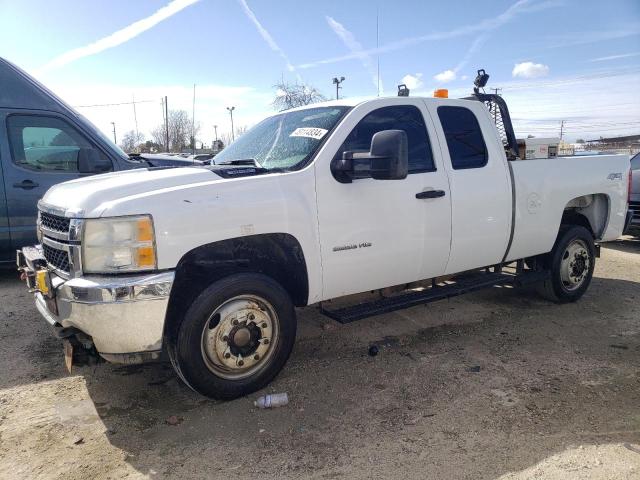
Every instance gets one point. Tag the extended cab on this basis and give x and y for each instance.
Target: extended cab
(315, 203)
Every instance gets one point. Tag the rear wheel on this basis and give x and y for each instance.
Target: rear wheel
(236, 336)
(570, 264)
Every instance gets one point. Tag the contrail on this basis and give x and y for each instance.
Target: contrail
(482, 26)
(355, 48)
(266, 36)
(119, 37)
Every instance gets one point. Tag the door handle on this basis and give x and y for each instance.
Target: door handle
(26, 184)
(431, 194)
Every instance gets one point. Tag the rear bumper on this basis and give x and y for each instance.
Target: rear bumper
(124, 315)
(631, 221)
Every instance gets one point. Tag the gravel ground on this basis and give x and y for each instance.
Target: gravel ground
(498, 384)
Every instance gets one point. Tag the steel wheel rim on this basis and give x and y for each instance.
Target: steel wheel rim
(239, 337)
(575, 265)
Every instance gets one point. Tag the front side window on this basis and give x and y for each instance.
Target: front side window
(284, 141)
(46, 143)
(464, 137)
(402, 117)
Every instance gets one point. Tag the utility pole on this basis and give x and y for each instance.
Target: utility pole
(561, 129)
(135, 117)
(114, 133)
(337, 81)
(166, 121)
(233, 134)
(193, 122)
(215, 144)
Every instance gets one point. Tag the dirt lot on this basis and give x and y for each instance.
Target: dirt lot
(499, 385)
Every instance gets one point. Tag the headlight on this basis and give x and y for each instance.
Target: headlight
(119, 244)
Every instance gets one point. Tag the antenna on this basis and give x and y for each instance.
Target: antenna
(377, 46)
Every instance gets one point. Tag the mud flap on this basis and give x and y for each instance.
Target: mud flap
(68, 354)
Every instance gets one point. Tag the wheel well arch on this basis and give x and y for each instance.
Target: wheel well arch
(590, 211)
(277, 255)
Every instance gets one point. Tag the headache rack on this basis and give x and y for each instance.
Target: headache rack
(499, 112)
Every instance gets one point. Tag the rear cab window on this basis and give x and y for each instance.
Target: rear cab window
(465, 142)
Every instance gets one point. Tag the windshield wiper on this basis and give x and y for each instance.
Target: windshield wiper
(246, 161)
(136, 157)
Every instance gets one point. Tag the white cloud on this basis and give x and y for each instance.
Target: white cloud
(530, 70)
(121, 36)
(355, 47)
(266, 36)
(446, 76)
(413, 82)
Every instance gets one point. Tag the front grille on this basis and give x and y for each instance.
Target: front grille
(57, 258)
(53, 222)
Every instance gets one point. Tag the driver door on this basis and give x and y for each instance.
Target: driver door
(376, 233)
(42, 151)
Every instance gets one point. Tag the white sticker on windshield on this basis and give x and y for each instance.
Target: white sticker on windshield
(309, 132)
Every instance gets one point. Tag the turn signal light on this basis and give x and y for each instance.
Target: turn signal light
(441, 93)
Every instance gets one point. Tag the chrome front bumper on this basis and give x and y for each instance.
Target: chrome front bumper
(124, 315)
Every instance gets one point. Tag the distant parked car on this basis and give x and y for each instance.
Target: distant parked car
(634, 197)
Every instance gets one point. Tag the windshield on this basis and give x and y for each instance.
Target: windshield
(285, 140)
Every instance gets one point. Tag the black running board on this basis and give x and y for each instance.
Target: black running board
(463, 284)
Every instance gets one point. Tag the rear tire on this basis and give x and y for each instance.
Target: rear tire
(570, 264)
(235, 337)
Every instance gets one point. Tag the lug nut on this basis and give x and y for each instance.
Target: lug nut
(225, 339)
(241, 362)
(256, 357)
(266, 341)
(235, 322)
(251, 316)
(227, 355)
(264, 325)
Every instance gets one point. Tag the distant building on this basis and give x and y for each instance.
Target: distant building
(624, 144)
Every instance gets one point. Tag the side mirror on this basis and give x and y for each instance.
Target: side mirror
(389, 155)
(387, 159)
(90, 161)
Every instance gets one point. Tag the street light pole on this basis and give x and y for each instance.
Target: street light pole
(114, 132)
(337, 81)
(233, 134)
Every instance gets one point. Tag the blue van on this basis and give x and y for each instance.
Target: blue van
(43, 141)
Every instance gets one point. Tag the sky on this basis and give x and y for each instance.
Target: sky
(576, 61)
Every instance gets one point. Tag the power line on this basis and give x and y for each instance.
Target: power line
(113, 104)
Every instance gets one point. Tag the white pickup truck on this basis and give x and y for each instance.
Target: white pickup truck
(319, 202)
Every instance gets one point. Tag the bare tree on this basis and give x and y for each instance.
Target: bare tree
(291, 95)
(158, 136)
(131, 141)
(226, 137)
(179, 130)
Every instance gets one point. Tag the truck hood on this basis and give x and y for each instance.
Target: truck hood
(90, 196)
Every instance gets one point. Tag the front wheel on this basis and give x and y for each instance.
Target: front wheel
(570, 264)
(236, 336)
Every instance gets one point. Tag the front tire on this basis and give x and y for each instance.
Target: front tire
(570, 264)
(235, 337)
